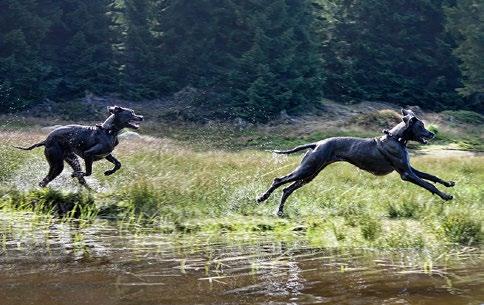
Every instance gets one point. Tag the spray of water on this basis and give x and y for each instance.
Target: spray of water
(28, 176)
(246, 193)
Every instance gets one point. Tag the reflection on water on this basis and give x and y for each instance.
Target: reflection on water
(48, 262)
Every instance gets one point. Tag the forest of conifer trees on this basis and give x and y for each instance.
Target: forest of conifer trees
(255, 57)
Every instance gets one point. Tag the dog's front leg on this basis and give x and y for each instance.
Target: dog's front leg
(88, 162)
(117, 165)
(410, 176)
(433, 178)
(89, 156)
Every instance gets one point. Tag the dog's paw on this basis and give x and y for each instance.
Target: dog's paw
(262, 198)
(449, 184)
(42, 184)
(108, 173)
(280, 213)
(447, 197)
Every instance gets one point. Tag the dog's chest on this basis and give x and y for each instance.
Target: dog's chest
(112, 143)
(108, 144)
(109, 140)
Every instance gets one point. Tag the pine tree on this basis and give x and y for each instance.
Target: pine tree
(80, 50)
(395, 51)
(466, 23)
(282, 68)
(21, 70)
(141, 73)
(199, 40)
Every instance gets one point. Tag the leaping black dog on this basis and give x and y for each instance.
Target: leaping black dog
(92, 143)
(379, 156)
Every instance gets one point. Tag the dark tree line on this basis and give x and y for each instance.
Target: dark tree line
(255, 58)
(466, 23)
(395, 50)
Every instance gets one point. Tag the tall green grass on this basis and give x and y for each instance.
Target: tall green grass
(171, 188)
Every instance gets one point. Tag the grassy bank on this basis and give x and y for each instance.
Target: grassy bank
(171, 188)
(454, 129)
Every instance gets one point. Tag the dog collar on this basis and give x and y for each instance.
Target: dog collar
(392, 136)
(108, 130)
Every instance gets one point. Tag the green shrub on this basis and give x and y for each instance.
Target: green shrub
(338, 230)
(464, 116)
(370, 228)
(460, 227)
(380, 119)
(403, 209)
(433, 128)
(440, 135)
(400, 236)
(77, 204)
(143, 199)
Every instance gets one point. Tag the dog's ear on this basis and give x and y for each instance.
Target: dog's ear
(409, 119)
(408, 116)
(406, 119)
(114, 109)
(407, 112)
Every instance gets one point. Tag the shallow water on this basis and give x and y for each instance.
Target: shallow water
(44, 262)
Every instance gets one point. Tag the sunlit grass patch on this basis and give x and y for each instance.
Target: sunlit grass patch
(170, 188)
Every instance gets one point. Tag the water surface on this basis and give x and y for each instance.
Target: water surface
(59, 263)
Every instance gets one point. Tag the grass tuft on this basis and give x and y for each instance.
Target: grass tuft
(66, 204)
(462, 228)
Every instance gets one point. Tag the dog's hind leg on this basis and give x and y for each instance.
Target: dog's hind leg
(277, 182)
(287, 192)
(56, 164)
(74, 163)
(309, 167)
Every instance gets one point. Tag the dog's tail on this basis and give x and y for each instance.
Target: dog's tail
(31, 147)
(298, 148)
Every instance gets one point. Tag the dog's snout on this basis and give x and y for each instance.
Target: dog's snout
(140, 117)
(431, 135)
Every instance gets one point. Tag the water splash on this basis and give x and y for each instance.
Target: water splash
(247, 193)
(278, 158)
(242, 196)
(28, 176)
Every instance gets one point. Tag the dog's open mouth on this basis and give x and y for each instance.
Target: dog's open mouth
(134, 123)
(424, 137)
(425, 140)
